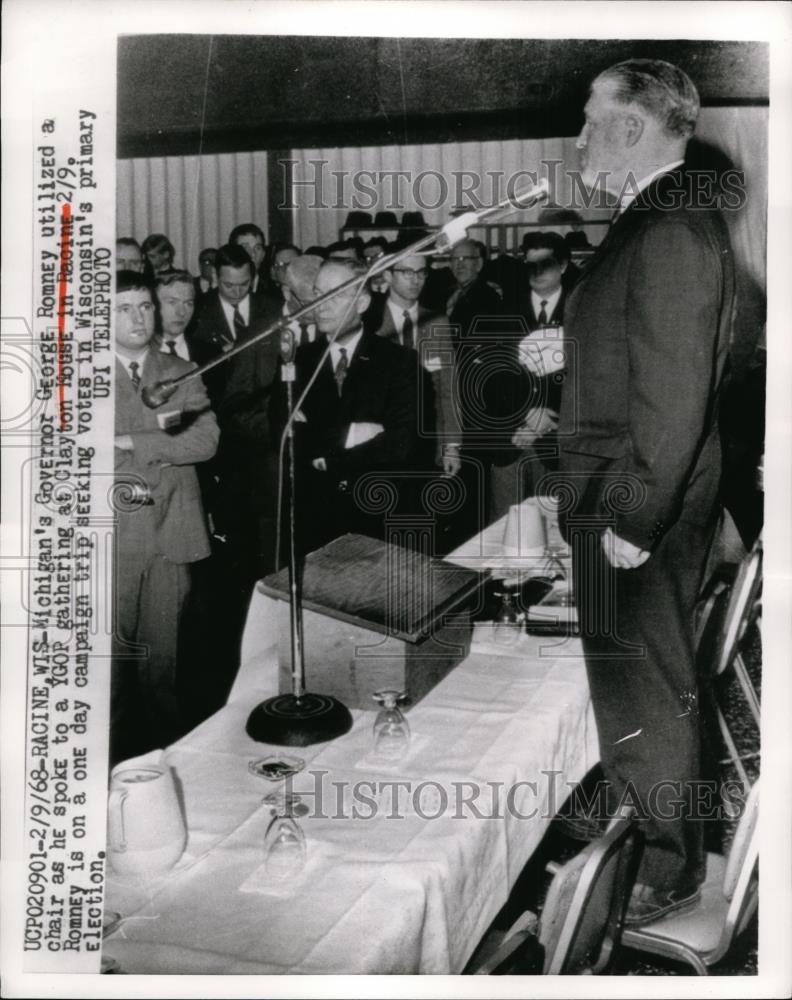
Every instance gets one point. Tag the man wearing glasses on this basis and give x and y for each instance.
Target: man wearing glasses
(405, 321)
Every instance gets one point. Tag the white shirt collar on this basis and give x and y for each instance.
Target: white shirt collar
(551, 300)
(634, 190)
(244, 309)
(397, 312)
(126, 362)
(181, 346)
(350, 346)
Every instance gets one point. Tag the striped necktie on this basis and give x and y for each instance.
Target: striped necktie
(171, 345)
(340, 373)
(134, 374)
(240, 327)
(542, 317)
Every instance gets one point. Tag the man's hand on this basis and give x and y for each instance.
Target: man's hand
(538, 422)
(622, 554)
(452, 463)
(124, 442)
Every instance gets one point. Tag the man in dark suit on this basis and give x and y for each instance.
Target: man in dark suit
(229, 314)
(176, 299)
(475, 314)
(360, 417)
(160, 527)
(528, 391)
(647, 329)
(405, 321)
(251, 239)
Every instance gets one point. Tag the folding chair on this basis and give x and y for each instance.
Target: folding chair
(729, 897)
(724, 619)
(582, 918)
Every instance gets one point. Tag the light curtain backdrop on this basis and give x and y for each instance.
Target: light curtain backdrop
(196, 200)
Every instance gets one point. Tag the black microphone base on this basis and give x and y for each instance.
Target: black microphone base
(290, 721)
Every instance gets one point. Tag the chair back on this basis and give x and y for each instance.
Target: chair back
(583, 914)
(740, 879)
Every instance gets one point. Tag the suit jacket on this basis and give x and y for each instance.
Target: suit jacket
(648, 330)
(380, 387)
(212, 336)
(164, 462)
(438, 416)
(526, 309)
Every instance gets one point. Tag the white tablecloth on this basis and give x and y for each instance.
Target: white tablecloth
(380, 894)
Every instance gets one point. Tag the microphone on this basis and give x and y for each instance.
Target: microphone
(158, 393)
(455, 231)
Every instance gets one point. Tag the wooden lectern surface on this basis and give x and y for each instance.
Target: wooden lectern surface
(384, 587)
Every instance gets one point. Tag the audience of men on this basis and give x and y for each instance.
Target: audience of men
(406, 407)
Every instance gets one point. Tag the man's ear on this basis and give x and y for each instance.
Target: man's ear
(633, 129)
(363, 302)
(564, 266)
(387, 277)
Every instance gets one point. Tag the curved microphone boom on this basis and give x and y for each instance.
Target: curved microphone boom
(455, 231)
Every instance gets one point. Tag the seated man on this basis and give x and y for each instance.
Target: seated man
(360, 417)
(160, 526)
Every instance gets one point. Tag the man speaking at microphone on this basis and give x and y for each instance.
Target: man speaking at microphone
(647, 330)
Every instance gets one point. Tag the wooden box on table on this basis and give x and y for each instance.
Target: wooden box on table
(376, 617)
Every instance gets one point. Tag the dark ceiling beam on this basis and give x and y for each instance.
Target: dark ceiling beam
(192, 94)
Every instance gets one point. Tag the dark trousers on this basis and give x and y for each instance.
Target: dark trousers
(637, 629)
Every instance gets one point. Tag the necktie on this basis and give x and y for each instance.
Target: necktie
(542, 317)
(171, 344)
(341, 370)
(408, 338)
(134, 374)
(239, 325)
(305, 337)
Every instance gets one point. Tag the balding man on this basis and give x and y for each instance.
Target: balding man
(361, 417)
(647, 328)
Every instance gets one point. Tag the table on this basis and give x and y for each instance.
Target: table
(379, 894)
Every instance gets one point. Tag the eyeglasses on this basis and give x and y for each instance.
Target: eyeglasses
(408, 272)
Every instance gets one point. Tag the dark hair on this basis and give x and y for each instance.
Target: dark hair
(127, 241)
(246, 229)
(206, 250)
(128, 281)
(174, 278)
(158, 241)
(316, 252)
(232, 255)
(547, 241)
(660, 88)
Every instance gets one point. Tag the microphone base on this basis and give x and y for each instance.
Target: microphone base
(287, 720)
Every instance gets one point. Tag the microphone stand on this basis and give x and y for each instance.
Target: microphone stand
(302, 718)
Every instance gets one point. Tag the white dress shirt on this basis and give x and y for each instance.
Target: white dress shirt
(126, 362)
(349, 346)
(294, 326)
(551, 301)
(180, 346)
(397, 312)
(228, 310)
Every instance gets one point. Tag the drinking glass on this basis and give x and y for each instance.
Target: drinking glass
(284, 846)
(276, 768)
(391, 730)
